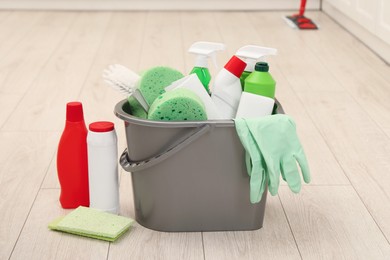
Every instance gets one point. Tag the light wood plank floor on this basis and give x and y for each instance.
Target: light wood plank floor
(337, 90)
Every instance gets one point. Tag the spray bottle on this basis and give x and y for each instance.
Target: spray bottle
(204, 50)
(257, 100)
(252, 54)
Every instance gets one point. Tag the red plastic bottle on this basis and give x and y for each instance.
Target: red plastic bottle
(72, 159)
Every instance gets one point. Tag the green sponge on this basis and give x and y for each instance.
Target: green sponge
(154, 80)
(177, 105)
(92, 223)
(136, 109)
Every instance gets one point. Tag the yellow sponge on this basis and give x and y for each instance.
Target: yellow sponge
(92, 223)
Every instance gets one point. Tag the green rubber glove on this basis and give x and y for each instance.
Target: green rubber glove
(254, 161)
(277, 140)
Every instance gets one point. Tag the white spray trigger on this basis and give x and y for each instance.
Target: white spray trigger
(213, 57)
(203, 50)
(252, 53)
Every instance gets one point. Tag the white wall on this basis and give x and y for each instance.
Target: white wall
(369, 20)
(158, 4)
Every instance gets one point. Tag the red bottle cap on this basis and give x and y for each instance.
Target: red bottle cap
(74, 112)
(101, 126)
(236, 66)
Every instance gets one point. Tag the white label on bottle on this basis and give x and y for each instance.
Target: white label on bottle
(252, 105)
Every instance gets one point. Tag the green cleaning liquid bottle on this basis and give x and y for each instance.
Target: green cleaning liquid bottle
(204, 76)
(204, 50)
(257, 100)
(252, 54)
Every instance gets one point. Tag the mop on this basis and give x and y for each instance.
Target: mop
(299, 20)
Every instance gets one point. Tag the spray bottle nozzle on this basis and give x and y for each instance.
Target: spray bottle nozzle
(252, 53)
(205, 50)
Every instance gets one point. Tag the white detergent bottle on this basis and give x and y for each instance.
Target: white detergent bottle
(103, 167)
(257, 100)
(203, 51)
(227, 88)
(252, 54)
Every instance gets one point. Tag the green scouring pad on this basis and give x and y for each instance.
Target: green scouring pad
(136, 109)
(92, 223)
(177, 105)
(154, 80)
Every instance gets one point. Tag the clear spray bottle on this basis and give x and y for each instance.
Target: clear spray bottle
(203, 51)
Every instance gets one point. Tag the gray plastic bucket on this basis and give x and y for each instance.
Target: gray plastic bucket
(188, 176)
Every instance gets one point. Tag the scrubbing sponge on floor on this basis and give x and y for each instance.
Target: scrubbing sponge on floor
(177, 105)
(92, 223)
(154, 80)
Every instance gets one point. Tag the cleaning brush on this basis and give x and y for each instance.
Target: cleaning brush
(125, 81)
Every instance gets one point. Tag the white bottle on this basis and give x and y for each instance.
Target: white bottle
(103, 167)
(227, 88)
(252, 54)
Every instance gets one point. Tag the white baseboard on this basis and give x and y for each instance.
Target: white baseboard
(380, 47)
(117, 5)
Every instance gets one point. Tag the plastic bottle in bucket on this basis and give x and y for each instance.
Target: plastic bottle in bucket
(258, 97)
(227, 88)
(72, 159)
(252, 54)
(203, 51)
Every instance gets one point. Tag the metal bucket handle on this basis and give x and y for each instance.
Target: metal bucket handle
(133, 166)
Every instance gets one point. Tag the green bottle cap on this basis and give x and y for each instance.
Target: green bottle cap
(262, 66)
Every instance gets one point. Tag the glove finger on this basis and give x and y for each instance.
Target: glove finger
(248, 163)
(256, 181)
(273, 174)
(300, 156)
(246, 141)
(252, 160)
(272, 170)
(265, 181)
(283, 177)
(290, 171)
(302, 161)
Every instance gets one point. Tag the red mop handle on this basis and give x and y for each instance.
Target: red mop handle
(302, 8)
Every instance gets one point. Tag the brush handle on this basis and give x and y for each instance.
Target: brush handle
(141, 100)
(302, 8)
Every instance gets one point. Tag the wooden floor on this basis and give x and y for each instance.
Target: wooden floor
(335, 88)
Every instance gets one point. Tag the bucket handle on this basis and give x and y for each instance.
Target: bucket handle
(133, 166)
